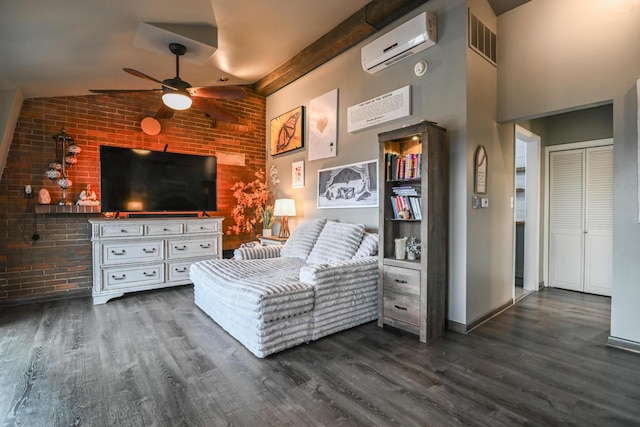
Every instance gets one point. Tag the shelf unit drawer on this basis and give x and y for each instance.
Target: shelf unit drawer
(125, 277)
(192, 248)
(121, 230)
(202, 227)
(163, 229)
(401, 295)
(120, 253)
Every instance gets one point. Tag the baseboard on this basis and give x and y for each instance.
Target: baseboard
(623, 344)
(81, 293)
(465, 329)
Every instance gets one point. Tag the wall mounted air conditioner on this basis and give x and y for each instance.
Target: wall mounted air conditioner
(413, 36)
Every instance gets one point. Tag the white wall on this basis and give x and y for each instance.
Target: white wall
(10, 105)
(562, 55)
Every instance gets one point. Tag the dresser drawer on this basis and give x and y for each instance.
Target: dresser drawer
(121, 229)
(179, 270)
(202, 227)
(120, 253)
(163, 229)
(401, 294)
(126, 277)
(192, 248)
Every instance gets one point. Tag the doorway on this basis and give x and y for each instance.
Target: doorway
(527, 213)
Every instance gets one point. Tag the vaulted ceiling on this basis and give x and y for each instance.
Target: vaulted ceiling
(66, 47)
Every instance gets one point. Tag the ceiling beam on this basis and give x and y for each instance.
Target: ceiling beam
(365, 22)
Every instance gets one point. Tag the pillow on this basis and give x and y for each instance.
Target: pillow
(368, 246)
(337, 242)
(302, 239)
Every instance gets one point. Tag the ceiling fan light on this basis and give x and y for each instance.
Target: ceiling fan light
(176, 100)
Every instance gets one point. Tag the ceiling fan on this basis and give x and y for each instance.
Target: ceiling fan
(178, 94)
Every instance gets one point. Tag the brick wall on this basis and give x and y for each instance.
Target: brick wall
(58, 264)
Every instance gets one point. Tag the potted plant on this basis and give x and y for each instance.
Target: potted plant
(413, 248)
(268, 220)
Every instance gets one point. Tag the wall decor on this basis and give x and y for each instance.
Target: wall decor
(287, 131)
(480, 165)
(349, 186)
(323, 126)
(297, 174)
(384, 108)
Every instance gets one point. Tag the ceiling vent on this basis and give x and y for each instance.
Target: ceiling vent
(482, 39)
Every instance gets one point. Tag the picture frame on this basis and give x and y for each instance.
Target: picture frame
(349, 186)
(481, 169)
(323, 126)
(287, 131)
(297, 174)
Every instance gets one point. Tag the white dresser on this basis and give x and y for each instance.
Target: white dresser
(140, 254)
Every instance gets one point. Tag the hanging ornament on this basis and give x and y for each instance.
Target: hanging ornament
(53, 174)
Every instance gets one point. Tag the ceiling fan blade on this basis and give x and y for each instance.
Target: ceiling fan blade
(164, 112)
(122, 90)
(219, 92)
(217, 113)
(144, 76)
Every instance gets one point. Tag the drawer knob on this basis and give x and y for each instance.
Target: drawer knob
(165, 229)
(153, 273)
(180, 248)
(400, 281)
(114, 277)
(122, 252)
(205, 246)
(399, 307)
(148, 251)
(123, 231)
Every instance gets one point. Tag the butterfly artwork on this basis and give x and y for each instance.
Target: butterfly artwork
(287, 131)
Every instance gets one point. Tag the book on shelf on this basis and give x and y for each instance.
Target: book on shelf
(406, 207)
(403, 167)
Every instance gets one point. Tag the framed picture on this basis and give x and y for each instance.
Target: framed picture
(287, 131)
(480, 165)
(349, 186)
(323, 126)
(297, 174)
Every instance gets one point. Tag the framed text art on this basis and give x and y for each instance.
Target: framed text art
(287, 131)
(480, 165)
(349, 186)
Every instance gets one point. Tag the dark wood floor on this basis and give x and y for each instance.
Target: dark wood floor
(154, 359)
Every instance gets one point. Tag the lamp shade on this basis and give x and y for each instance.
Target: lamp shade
(177, 100)
(285, 207)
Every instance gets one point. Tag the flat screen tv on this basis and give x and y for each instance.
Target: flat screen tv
(133, 180)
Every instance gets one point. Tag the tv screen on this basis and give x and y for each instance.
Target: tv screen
(133, 180)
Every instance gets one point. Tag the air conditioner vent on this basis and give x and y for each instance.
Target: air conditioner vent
(482, 40)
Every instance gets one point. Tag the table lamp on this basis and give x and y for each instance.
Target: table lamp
(284, 208)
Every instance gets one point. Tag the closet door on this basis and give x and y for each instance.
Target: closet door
(566, 219)
(581, 219)
(599, 221)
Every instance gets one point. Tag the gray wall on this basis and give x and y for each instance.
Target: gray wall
(439, 96)
(459, 92)
(576, 60)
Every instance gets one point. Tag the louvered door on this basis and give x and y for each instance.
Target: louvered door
(599, 220)
(580, 219)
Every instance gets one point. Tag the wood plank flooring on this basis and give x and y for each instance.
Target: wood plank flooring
(154, 359)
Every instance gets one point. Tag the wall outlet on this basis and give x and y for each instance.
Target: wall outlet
(28, 192)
